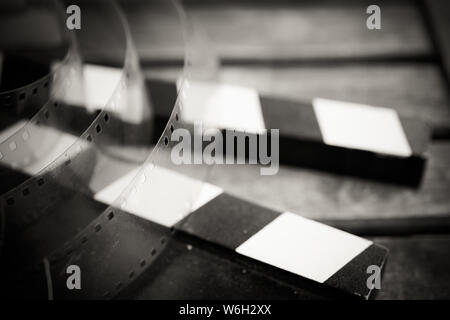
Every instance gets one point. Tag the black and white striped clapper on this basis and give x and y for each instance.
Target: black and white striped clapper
(340, 137)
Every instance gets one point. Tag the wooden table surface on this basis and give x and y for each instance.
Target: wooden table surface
(323, 49)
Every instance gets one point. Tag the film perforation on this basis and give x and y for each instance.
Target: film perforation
(85, 165)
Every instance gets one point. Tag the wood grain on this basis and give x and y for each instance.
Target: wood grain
(417, 268)
(439, 11)
(322, 49)
(414, 89)
(321, 195)
(261, 30)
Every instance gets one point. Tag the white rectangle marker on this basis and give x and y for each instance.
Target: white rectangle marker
(223, 106)
(304, 247)
(363, 127)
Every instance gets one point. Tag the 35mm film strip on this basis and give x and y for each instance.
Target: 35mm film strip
(66, 156)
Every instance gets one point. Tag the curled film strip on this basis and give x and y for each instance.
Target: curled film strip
(25, 108)
(100, 196)
(28, 111)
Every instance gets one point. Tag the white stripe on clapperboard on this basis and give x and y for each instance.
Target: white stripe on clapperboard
(363, 127)
(223, 106)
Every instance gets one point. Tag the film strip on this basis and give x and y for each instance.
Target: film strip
(33, 73)
(71, 205)
(27, 109)
(29, 112)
